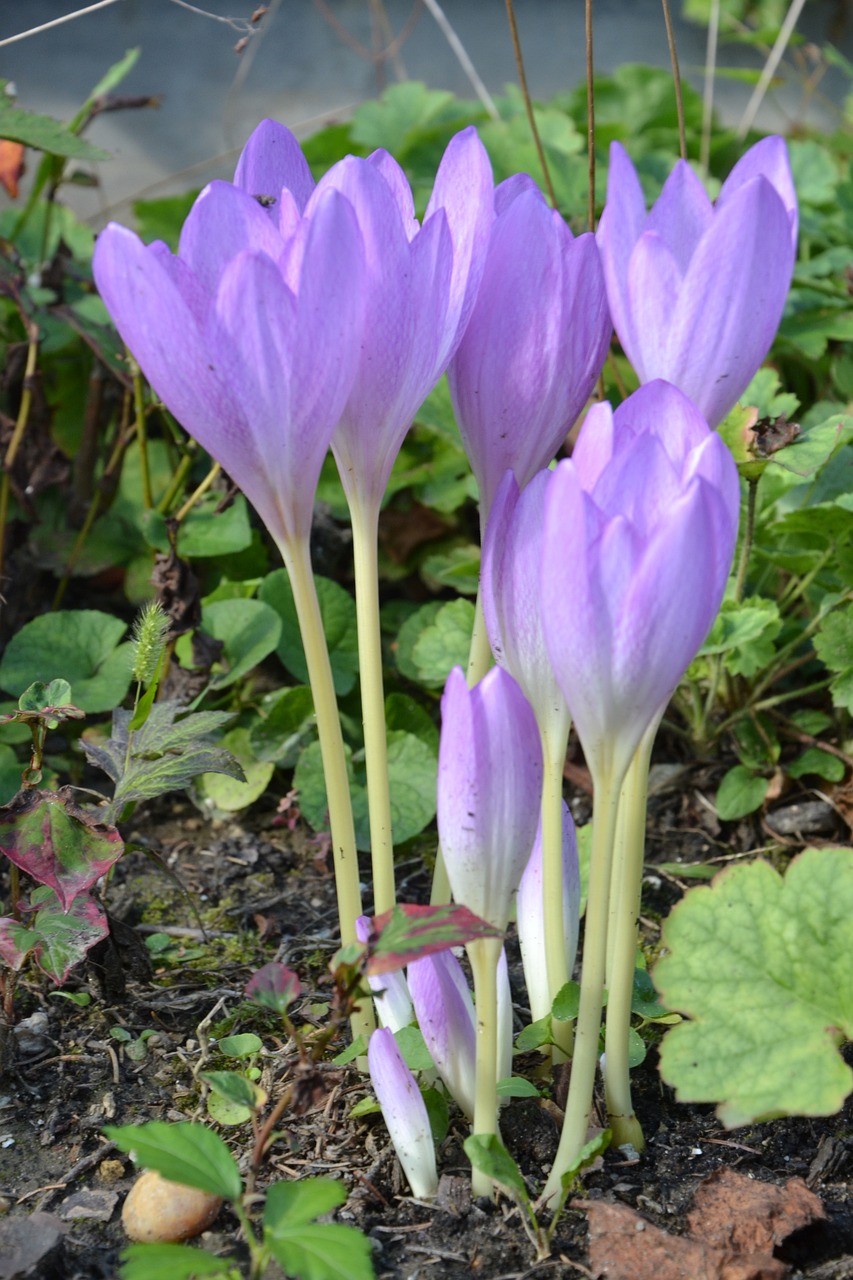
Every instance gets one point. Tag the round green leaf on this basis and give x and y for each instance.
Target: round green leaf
(761, 963)
(250, 631)
(741, 792)
(78, 645)
(230, 794)
(337, 608)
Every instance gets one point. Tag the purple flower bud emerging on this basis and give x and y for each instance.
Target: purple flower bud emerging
(531, 921)
(404, 1112)
(535, 343)
(390, 990)
(489, 789)
(640, 529)
(445, 1013)
(696, 290)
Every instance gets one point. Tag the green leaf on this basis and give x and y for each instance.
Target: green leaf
(404, 713)
(457, 569)
(745, 633)
(188, 1153)
(400, 114)
(249, 629)
(567, 1002)
(740, 792)
(175, 1261)
(206, 532)
(761, 963)
(434, 640)
(490, 1157)
(230, 793)
(412, 1046)
(311, 1250)
(58, 939)
(10, 774)
(234, 1097)
(337, 608)
(834, 646)
(821, 763)
(163, 219)
(535, 1035)
(517, 1087)
(287, 725)
(273, 987)
(757, 744)
(43, 133)
(587, 1155)
(412, 769)
(814, 172)
(644, 997)
(77, 645)
(240, 1046)
(438, 1113)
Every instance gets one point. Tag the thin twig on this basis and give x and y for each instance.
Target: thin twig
(462, 57)
(776, 53)
(525, 93)
(590, 112)
(56, 22)
(676, 79)
(708, 94)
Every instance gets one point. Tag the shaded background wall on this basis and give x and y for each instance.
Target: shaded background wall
(309, 61)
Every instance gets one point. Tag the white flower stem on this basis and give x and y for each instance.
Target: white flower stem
(554, 737)
(479, 662)
(627, 880)
(484, 955)
(297, 560)
(585, 1059)
(365, 528)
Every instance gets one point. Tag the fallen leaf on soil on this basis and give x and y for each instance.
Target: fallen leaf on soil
(734, 1225)
(732, 1211)
(624, 1246)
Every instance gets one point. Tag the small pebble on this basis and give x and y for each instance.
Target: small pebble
(161, 1212)
(110, 1171)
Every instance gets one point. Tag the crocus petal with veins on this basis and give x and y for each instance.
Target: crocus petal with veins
(534, 346)
(531, 920)
(489, 789)
(271, 161)
(404, 1113)
(697, 290)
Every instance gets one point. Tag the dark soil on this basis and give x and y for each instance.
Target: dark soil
(265, 892)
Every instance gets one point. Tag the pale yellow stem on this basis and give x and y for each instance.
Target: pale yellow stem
(554, 737)
(365, 526)
(484, 955)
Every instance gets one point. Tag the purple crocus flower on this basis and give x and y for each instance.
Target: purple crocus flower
(404, 1112)
(635, 562)
(530, 917)
(250, 335)
(419, 287)
(489, 789)
(696, 289)
(535, 344)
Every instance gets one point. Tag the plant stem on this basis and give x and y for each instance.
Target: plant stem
(708, 94)
(554, 739)
(484, 955)
(198, 493)
(141, 434)
(785, 32)
(297, 560)
(590, 112)
(479, 661)
(607, 785)
(748, 536)
(525, 93)
(626, 886)
(676, 79)
(365, 530)
(17, 435)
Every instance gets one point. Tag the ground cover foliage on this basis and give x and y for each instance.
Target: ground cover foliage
(131, 1005)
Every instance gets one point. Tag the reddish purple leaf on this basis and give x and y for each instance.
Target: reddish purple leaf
(407, 932)
(57, 843)
(275, 987)
(58, 939)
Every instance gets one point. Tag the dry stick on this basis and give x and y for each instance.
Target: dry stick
(676, 79)
(776, 53)
(708, 95)
(525, 93)
(18, 434)
(462, 57)
(590, 113)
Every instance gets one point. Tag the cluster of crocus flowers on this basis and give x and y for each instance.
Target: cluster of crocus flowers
(296, 317)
